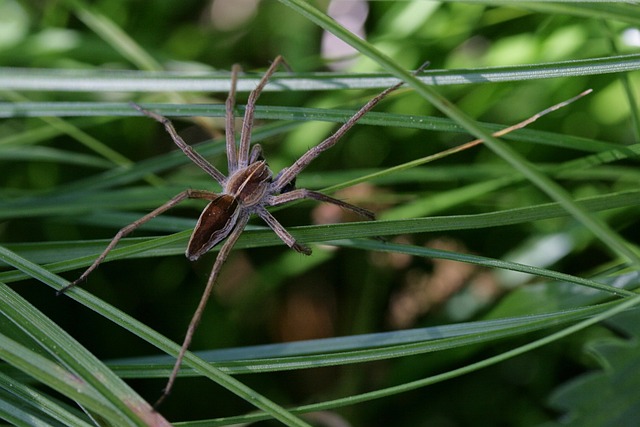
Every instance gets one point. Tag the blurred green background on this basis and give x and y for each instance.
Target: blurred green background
(272, 295)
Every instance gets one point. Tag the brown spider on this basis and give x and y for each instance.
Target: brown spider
(249, 189)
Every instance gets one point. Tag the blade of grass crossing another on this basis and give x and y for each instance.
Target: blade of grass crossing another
(608, 236)
(98, 374)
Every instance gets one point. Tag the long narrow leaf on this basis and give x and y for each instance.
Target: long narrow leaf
(532, 173)
(144, 81)
(128, 400)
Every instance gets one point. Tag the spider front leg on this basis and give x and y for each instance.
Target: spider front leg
(229, 128)
(247, 121)
(287, 176)
(256, 154)
(193, 155)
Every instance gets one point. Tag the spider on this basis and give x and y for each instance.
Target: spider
(250, 188)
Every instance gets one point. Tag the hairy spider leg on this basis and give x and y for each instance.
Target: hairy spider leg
(229, 127)
(193, 155)
(289, 174)
(249, 112)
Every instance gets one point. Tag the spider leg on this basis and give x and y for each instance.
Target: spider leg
(193, 155)
(297, 167)
(287, 175)
(220, 259)
(282, 233)
(303, 193)
(187, 194)
(247, 121)
(256, 154)
(232, 154)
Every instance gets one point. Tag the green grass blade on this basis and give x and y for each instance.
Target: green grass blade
(164, 81)
(124, 393)
(607, 235)
(56, 377)
(114, 35)
(359, 348)
(64, 256)
(23, 405)
(267, 112)
(405, 387)
(86, 375)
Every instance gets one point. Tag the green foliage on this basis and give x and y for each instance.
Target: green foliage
(497, 263)
(616, 401)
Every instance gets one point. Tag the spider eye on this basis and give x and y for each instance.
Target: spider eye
(289, 187)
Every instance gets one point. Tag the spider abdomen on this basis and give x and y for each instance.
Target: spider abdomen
(216, 221)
